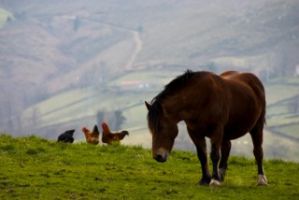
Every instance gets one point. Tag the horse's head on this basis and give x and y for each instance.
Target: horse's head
(163, 129)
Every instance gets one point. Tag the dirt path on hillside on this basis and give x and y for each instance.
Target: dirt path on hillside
(138, 44)
(137, 48)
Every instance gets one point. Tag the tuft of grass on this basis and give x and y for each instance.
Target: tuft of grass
(34, 168)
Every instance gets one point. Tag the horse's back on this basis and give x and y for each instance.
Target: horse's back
(228, 74)
(253, 82)
(246, 78)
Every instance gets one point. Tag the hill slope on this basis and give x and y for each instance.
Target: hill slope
(34, 168)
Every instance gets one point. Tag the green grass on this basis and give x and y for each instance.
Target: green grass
(279, 95)
(281, 120)
(34, 168)
(4, 14)
(291, 130)
(277, 91)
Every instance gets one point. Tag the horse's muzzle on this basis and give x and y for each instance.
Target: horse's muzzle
(160, 158)
(161, 155)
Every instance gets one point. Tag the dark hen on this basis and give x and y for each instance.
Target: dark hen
(66, 137)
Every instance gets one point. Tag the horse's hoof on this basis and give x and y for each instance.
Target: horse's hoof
(215, 182)
(262, 180)
(205, 181)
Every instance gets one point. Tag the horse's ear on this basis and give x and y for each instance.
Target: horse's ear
(148, 106)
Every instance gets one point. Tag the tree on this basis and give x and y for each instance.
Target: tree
(76, 24)
(114, 118)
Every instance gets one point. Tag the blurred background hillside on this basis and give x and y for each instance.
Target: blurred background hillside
(67, 64)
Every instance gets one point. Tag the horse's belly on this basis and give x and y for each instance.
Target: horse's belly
(243, 116)
(238, 127)
(235, 132)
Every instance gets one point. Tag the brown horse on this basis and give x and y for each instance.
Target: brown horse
(221, 108)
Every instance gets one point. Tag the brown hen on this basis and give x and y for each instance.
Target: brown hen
(108, 137)
(91, 137)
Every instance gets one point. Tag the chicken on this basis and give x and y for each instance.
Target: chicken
(109, 137)
(66, 137)
(91, 137)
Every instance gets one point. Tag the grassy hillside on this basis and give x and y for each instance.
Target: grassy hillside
(33, 168)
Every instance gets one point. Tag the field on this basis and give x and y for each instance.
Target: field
(283, 107)
(78, 107)
(34, 168)
(127, 93)
(4, 15)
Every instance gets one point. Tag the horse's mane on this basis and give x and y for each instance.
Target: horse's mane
(174, 85)
(156, 108)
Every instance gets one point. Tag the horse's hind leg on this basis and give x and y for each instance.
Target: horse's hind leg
(225, 150)
(257, 139)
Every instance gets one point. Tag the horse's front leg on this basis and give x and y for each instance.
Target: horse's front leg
(201, 148)
(225, 150)
(215, 157)
(216, 140)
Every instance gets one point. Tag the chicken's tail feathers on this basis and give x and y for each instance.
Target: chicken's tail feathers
(71, 131)
(125, 132)
(95, 129)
